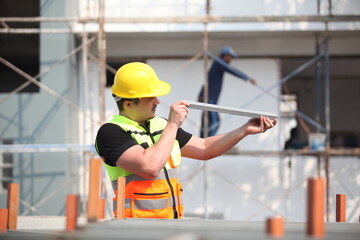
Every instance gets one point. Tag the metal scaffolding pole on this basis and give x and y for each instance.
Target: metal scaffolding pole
(327, 92)
(318, 84)
(102, 61)
(86, 88)
(205, 125)
(327, 125)
(190, 19)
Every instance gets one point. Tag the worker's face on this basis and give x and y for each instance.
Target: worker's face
(146, 108)
(227, 58)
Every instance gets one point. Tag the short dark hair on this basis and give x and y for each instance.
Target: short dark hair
(120, 103)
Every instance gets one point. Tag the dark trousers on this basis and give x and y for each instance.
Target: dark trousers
(213, 124)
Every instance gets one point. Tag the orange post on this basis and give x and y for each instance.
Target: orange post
(315, 207)
(120, 202)
(101, 213)
(12, 205)
(340, 208)
(71, 211)
(275, 227)
(3, 219)
(94, 189)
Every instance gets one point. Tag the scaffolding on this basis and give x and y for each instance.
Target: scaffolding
(89, 37)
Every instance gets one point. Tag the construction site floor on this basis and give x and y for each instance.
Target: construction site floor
(185, 229)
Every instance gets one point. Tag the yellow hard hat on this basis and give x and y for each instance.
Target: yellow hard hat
(138, 80)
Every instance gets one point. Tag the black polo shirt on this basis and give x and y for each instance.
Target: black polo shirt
(112, 141)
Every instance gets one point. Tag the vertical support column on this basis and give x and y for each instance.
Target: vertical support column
(340, 208)
(318, 83)
(102, 60)
(327, 179)
(13, 205)
(327, 123)
(206, 100)
(315, 207)
(3, 219)
(120, 198)
(72, 202)
(275, 227)
(318, 156)
(94, 189)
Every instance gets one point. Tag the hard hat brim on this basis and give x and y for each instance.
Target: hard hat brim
(164, 89)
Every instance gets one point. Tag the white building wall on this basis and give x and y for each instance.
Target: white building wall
(222, 198)
(187, 83)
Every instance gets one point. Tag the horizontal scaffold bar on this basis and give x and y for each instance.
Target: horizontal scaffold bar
(191, 19)
(30, 148)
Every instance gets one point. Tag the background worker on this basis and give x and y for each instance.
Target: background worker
(147, 149)
(215, 81)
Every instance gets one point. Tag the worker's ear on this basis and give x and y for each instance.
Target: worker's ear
(128, 104)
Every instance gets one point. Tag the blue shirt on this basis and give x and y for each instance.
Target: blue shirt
(215, 78)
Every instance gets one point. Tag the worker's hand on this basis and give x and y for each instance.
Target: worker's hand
(259, 125)
(178, 112)
(252, 81)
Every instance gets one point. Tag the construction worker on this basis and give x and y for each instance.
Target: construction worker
(147, 150)
(215, 81)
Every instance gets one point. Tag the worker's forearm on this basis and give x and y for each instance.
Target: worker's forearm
(217, 145)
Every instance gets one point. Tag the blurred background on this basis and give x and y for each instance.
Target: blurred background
(57, 63)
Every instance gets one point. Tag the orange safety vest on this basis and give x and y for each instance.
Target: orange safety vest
(159, 197)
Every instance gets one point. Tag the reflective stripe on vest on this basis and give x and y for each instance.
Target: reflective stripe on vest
(161, 199)
(149, 198)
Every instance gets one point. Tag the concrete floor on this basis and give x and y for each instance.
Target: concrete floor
(186, 229)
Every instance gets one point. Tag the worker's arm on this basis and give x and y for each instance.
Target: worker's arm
(228, 68)
(231, 69)
(149, 162)
(207, 148)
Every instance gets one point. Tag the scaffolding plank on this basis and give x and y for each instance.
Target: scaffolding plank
(230, 110)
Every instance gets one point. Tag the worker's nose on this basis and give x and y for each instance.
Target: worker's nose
(156, 101)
